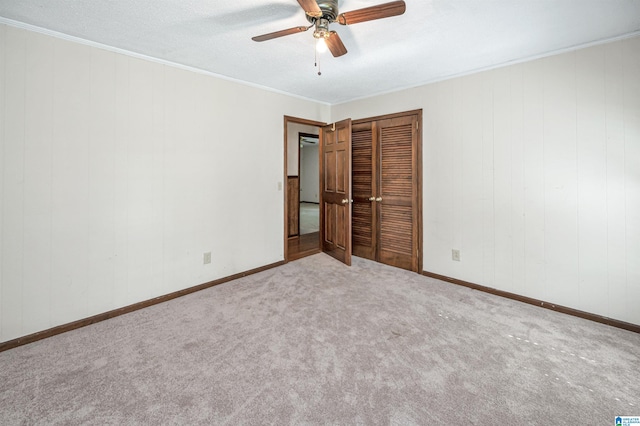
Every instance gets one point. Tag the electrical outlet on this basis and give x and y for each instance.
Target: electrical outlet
(455, 255)
(207, 258)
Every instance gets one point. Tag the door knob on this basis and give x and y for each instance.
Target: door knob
(379, 199)
(372, 198)
(345, 201)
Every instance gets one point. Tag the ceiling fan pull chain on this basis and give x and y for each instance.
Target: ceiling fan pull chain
(317, 64)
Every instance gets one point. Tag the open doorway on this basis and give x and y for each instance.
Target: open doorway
(302, 195)
(309, 172)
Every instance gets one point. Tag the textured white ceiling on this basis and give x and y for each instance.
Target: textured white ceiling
(434, 39)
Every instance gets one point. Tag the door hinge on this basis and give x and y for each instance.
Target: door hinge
(417, 126)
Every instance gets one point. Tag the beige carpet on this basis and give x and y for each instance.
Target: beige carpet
(315, 342)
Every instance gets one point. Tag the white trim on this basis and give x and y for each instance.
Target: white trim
(79, 40)
(501, 65)
(90, 43)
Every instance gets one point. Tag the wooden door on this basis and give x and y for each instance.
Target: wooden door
(335, 212)
(386, 190)
(365, 187)
(398, 195)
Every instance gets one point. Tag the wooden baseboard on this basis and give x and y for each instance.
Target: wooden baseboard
(300, 255)
(125, 310)
(531, 301)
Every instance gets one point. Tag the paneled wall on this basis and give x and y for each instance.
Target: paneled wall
(532, 171)
(117, 174)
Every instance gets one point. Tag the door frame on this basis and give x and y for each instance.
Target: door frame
(294, 120)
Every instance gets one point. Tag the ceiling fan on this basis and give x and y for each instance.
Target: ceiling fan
(321, 13)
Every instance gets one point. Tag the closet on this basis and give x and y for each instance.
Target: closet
(386, 189)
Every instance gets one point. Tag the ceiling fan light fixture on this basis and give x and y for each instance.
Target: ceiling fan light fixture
(322, 28)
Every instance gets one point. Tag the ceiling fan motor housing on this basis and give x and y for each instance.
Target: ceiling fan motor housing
(329, 10)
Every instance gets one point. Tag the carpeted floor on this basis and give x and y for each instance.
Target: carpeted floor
(315, 342)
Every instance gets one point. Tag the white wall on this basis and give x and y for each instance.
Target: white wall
(533, 172)
(293, 142)
(117, 174)
(309, 174)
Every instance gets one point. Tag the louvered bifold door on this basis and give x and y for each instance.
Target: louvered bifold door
(397, 209)
(364, 188)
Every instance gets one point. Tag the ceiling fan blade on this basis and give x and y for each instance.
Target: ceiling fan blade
(335, 45)
(311, 8)
(385, 10)
(265, 37)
